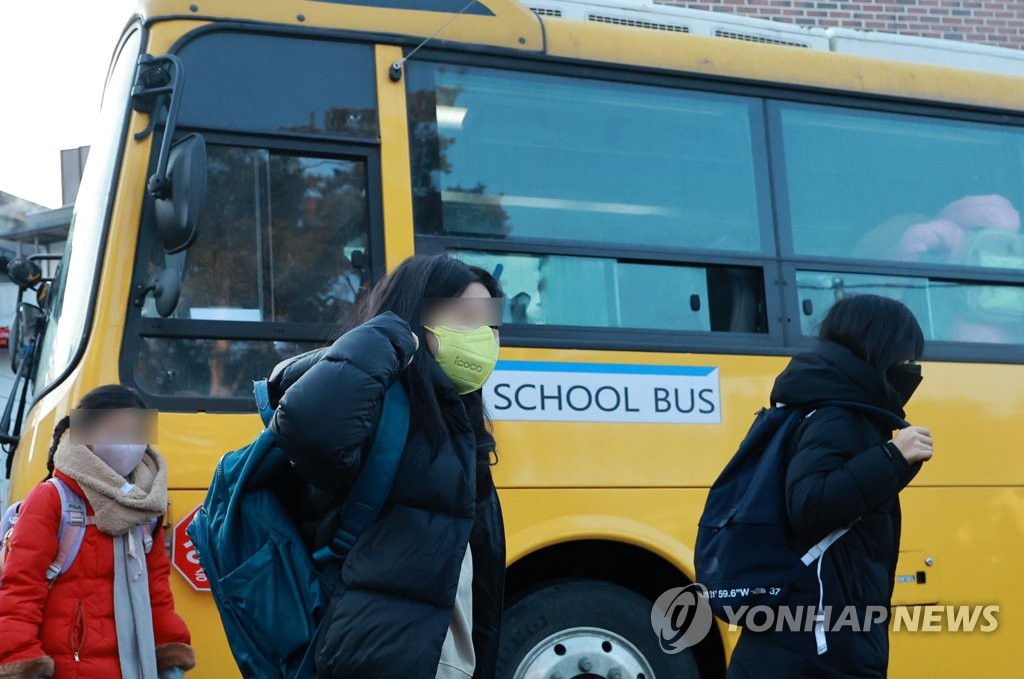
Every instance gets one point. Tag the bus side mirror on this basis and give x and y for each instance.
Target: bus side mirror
(177, 214)
(25, 273)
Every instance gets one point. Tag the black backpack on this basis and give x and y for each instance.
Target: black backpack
(744, 554)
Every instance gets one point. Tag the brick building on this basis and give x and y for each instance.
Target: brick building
(992, 22)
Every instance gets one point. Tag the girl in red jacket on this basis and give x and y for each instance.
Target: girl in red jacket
(111, 613)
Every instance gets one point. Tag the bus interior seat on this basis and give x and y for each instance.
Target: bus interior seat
(734, 300)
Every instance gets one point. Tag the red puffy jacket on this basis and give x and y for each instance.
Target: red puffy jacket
(73, 623)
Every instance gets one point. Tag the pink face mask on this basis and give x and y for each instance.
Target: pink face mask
(123, 458)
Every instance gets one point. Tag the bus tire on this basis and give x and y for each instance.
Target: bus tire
(587, 628)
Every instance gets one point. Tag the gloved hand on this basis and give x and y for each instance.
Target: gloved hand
(173, 673)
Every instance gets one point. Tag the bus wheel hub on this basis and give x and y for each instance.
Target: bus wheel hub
(584, 653)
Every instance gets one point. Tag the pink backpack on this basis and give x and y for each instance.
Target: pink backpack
(73, 522)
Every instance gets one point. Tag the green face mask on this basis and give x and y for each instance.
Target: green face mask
(467, 357)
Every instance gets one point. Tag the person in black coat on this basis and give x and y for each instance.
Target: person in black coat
(845, 470)
(421, 591)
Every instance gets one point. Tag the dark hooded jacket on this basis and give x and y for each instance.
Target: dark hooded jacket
(391, 611)
(841, 470)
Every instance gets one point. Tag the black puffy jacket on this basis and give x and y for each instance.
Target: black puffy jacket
(391, 612)
(839, 469)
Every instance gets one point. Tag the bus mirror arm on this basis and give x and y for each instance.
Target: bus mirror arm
(157, 80)
(166, 289)
(12, 438)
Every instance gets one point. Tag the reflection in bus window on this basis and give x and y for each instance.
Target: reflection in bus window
(282, 239)
(609, 293)
(898, 187)
(947, 310)
(209, 368)
(976, 230)
(584, 160)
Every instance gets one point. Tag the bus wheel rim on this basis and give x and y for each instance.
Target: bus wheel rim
(584, 652)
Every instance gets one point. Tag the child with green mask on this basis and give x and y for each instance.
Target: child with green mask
(436, 554)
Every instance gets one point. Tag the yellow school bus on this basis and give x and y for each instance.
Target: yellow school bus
(670, 216)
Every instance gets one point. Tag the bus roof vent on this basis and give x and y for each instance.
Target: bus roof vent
(659, 16)
(638, 23)
(763, 39)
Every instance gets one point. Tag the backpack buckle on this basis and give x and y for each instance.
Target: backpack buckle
(52, 571)
(77, 517)
(337, 549)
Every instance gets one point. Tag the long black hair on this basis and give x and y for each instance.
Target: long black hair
(107, 397)
(881, 331)
(405, 292)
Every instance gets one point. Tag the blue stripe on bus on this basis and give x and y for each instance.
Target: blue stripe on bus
(604, 368)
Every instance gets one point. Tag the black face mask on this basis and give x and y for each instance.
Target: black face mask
(904, 379)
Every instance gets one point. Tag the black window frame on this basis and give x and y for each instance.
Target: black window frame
(137, 328)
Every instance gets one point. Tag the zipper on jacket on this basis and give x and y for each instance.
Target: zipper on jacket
(78, 631)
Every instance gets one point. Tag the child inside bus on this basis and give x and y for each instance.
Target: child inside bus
(85, 586)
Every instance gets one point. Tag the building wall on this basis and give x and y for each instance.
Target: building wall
(993, 22)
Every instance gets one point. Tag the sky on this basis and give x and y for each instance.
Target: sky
(54, 56)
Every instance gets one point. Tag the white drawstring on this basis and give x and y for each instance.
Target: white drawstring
(817, 553)
(133, 552)
(819, 618)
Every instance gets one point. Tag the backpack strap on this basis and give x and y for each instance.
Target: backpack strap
(372, 485)
(261, 390)
(73, 522)
(7, 530)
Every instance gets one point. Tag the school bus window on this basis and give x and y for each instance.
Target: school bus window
(283, 239)
(947, 310)
(72, 291)
(261, 83)
(525, 156)
(610, 293)
(201, 368)
(942, 192)
(277, 240)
